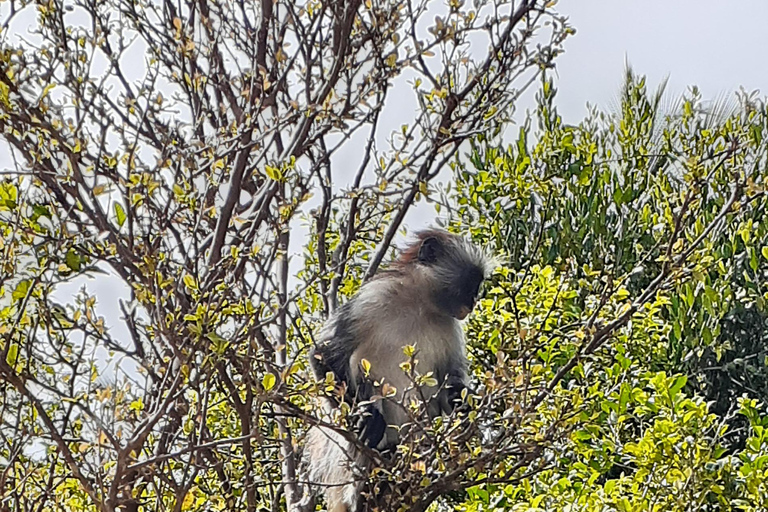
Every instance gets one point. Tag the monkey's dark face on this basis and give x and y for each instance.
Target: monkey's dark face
(458, 280)
(458, 299)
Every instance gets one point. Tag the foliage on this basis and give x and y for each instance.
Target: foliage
(618, 355)
(649, 225)
(174, 153)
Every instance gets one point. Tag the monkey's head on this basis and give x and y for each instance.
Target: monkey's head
(453, 270)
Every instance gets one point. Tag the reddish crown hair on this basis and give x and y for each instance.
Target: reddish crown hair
(471, 253)
(410, 254)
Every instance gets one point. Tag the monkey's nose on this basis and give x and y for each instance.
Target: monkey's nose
(464, 311)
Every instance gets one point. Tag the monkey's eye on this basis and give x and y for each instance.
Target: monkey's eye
(476, 290)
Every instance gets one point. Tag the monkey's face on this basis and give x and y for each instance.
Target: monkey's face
(456, 278)
(459, 296)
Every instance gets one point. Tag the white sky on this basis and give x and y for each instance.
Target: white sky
(717, 45)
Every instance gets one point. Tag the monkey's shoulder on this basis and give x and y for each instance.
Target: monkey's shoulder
(388, 314)
(395, 294)
(339, 326)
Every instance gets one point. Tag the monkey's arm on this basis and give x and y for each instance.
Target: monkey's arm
(333, 354)
(455, 381)
(327, 357)
(335, 347)
(370, 425)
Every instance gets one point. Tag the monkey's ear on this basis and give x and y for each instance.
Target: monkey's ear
(430, 250)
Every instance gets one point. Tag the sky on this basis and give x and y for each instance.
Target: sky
(717, 45)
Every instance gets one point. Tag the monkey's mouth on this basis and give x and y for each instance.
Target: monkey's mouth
(463, 312)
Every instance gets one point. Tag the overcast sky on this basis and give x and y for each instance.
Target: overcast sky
(717, 45)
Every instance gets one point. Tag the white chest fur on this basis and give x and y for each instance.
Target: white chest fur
(390, 321)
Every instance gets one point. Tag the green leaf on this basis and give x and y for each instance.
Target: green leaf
(13, 352)
(73, 260)
(764, 250)
(40, 211)
(21, 290)
(268, 382)
(677, 385)
(120, 214)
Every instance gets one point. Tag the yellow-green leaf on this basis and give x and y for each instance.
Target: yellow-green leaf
(48, 89)
(430, 381)
(13, 352)
(273, 173)
(268, 382)
(21, 290)
(120, 214)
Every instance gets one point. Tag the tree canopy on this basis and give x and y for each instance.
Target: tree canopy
(216, 178)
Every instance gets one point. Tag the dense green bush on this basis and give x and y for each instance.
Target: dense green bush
(661, 211)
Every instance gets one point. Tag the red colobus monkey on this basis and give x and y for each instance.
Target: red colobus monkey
(419, 301)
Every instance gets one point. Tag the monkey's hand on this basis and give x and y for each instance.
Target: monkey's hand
(370, 425)
(454, 389)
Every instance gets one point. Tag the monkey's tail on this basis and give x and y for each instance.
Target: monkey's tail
(333, 467)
